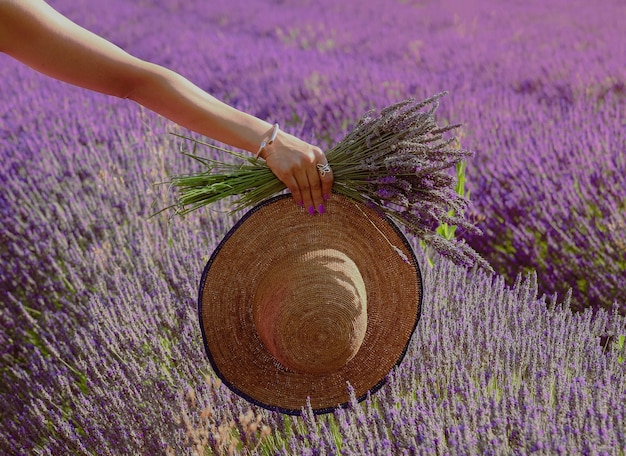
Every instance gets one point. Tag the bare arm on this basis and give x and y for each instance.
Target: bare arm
(40, 37)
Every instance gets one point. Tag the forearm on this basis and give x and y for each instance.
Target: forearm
(36, 34)
(171, 95)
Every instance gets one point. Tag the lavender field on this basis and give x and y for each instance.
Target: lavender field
(100, 347)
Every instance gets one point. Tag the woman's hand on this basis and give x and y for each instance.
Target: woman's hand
(295, 162)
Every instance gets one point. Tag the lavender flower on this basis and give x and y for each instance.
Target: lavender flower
(391, 161)
(99, 344)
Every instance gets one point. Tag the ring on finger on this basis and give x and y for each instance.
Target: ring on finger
(323, 168)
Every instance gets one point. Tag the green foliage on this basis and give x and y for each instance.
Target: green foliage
(620, 346)
(446, 230)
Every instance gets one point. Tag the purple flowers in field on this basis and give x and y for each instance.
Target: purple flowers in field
(101, 352)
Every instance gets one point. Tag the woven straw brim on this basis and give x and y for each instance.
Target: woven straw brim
(268, 233)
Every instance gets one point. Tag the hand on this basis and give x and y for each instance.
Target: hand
(295, 162)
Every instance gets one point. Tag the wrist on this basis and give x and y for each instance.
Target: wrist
(268, 140)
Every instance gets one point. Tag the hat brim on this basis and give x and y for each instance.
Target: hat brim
(394, 296)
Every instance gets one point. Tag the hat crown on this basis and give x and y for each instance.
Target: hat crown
(310, 311)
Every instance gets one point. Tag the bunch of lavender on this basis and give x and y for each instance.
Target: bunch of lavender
(396, 161)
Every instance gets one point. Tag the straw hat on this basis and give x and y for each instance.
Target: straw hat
(294, 308)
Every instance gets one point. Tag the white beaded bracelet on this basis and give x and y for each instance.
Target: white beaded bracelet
(267, 142)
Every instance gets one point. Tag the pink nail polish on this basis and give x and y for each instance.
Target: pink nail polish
(321, 209)
(326, 196)
(300, 203)
(311, 210)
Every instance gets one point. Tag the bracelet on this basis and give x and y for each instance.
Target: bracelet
(268, 142)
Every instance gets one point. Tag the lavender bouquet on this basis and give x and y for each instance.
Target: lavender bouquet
(396, 161)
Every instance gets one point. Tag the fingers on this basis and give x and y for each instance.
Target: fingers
(307, 189)
(320, 180)
(294, 188)
(327, 178)
(315, 191)
(303, 168)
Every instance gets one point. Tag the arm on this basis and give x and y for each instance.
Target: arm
(37, 35)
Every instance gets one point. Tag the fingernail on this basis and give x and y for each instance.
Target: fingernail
(311, 210)
(321, 209)
(326, 196)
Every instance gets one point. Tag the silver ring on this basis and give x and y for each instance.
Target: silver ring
(323, 168)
